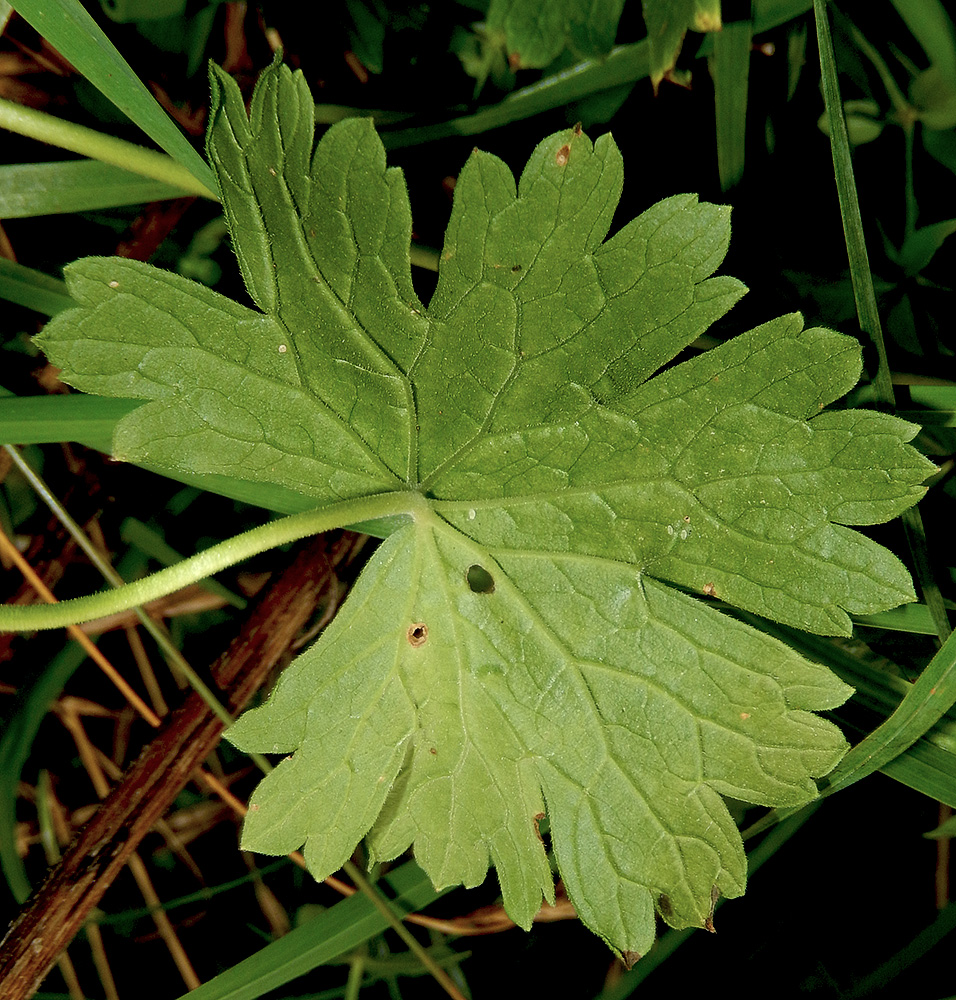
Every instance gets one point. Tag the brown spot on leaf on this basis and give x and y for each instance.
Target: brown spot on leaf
(577, 128)
(417, 634)
(432, 750)
(561, 158)
(630, 958)
(709, 589)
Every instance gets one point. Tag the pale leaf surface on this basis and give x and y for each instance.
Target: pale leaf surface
(517, 647)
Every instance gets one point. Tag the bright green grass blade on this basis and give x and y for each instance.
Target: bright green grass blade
(341, 928)
(100, 146)
(940, 396)
(33, 289)
(87, 420)
(862, 279)
(941, 403)
(928, 769)
(71, 30)
(29, 189)
(914, 618)
(865, 295)
(730, 68)
(933, 694)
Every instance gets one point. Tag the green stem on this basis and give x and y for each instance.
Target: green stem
(356, 973)
(173, 656)
(912, 209)
(107, 148)
(29, 617)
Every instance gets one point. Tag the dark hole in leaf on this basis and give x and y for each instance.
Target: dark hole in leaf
(417, 634)
(480, 580)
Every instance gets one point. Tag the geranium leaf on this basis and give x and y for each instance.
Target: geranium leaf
(523, 643)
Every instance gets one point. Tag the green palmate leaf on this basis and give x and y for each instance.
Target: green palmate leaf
(522, 642)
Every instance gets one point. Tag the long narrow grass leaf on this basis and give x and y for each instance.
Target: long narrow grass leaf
(74, 33)
(730, 68)
(933, 694)
(30, 189)
(864, 293)
(32, 289)
(86, 420)
(345, 926)
(915, 618)
(99, 146)
(862, 279)
(927, 769)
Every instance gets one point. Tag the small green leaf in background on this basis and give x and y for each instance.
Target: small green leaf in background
(536, 32)
(668, 21)
(534, 636)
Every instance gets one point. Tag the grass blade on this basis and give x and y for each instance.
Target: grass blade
(87, 420)
(933, 694)
(864, 293)
(914, 618)
(100, 146)
(345, 926)
(71, 30)
(730, 69)
(32, 289)
(30, 189)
